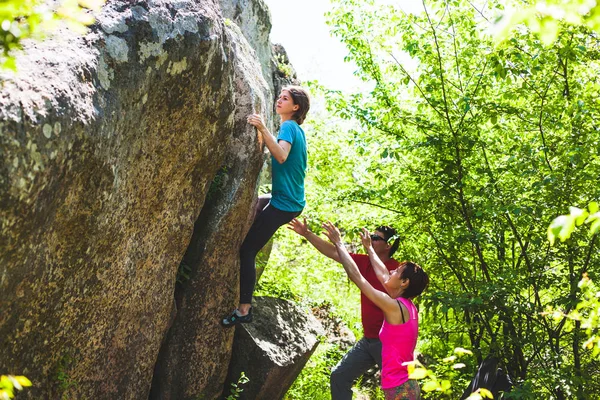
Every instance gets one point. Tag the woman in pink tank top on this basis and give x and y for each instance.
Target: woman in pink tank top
(400, 327)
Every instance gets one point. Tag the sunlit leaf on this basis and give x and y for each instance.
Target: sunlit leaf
(15, 383)
(445, 385)
(92, 4)
(595, 227)
(430, 386)
(593, 217)
(578, 214)
(10, 63)
(460, 351)
(418, 373)
(562, 227)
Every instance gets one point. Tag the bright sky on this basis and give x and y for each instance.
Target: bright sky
(300, 27)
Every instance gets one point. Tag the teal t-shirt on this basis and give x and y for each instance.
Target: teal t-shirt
(288, 178)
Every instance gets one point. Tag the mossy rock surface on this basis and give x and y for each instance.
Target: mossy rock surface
(109, 144)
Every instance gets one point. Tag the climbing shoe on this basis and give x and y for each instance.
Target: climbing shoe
(235, 318)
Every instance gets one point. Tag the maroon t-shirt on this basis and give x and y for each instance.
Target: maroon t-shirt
(371, 315)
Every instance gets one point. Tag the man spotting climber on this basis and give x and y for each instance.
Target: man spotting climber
(367, 351)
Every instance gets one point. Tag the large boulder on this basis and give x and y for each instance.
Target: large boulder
(272, 350)
(121, 151)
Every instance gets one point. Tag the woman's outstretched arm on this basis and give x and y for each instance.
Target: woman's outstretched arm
(382, 300)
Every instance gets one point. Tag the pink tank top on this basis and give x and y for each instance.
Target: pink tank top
(398, 344)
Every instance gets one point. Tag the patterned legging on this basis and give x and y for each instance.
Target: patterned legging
(409, 390)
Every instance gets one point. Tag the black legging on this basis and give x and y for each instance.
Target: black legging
(264, 227)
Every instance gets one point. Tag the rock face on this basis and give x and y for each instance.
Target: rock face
(273, 349)
(254, 21)
(121, 152)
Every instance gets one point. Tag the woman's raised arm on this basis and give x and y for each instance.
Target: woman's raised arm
(381, 271)
(381, 299)
(279, 150)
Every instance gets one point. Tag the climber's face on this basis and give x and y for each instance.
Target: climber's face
(285, 104)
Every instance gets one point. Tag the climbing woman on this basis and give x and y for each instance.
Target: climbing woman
(400, 327)
(286, 201)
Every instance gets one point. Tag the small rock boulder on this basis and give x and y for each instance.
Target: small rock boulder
(273, 349)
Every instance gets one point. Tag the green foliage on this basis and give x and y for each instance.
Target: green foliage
(281, 290)
(587, 312)
(480, 394)
(63, 379)
(9, 383)
(217, 183)
(22, 19)
(313, 382)
(183, 273)
(563, 226)
(545, 17)
(264, 189)
(236, 388)
(284, 66)
(586, 315)
(469, 148)
(444, 380)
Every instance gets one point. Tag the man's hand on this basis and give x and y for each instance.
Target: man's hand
(299, 227)
(365, 237)
(333, 233)
(256, 120)
(319, 243)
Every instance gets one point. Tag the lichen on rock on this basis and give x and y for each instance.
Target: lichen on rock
(110, 144)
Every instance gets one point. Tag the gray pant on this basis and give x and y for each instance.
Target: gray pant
(362, 356)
